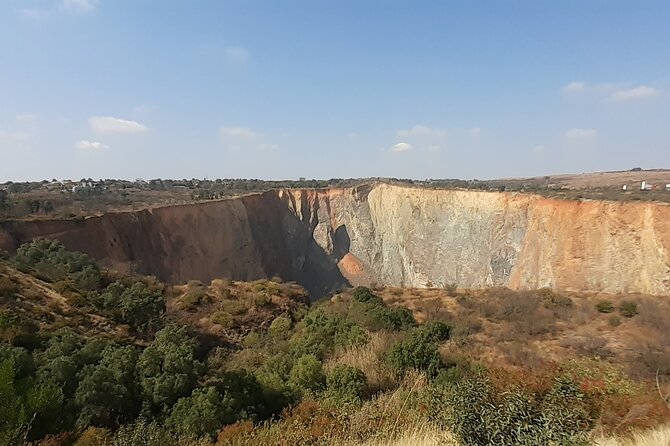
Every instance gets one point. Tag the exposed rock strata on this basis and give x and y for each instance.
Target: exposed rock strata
(388, 234)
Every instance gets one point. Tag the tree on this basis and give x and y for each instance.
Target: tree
(168, 368)
(66, 354)
(138, 305)
(30, 409)
(202, 413)
(4, 199)
(107, 394)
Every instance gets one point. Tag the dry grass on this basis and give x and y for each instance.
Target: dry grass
(527, 328)
(368, 357)
(654, 437)
(428, 435)
(424, 434)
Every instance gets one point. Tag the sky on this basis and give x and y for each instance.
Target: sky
(283, 89)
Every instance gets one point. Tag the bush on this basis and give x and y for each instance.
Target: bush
(307, 374)
(320, 332)
(194, 298)
(628, 309)
(222, 318)
(280, 328)
(605, 306)
(252, 339)
(346, 383)
(420, 351)
(88, 279)
(480, 414)
(365, 295)
(379, 317)
(49, 260)
(233, 307)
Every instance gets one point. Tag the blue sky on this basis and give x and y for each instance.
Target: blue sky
(320, 89)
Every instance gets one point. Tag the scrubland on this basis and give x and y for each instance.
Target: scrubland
(92, 357)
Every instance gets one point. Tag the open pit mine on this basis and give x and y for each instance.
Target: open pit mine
(385, 234)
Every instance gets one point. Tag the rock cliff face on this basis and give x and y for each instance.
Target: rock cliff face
(388, 234)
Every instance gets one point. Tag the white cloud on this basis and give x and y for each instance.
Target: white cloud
(581, 133)
(574, 87)
(80, 6)
(90, 145)
(244, 138)
(421, 130)
(107, 124)
(634, 93)
(400, 147)
(34, 13)
(13, 136)
(26, 118)
(238, 132)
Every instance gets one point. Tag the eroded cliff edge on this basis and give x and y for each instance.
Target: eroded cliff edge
(388, 234)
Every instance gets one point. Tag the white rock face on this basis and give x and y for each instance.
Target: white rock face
(419, 237)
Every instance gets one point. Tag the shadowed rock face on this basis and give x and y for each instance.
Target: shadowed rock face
(388, 234)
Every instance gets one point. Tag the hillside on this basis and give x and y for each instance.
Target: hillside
(91, 356)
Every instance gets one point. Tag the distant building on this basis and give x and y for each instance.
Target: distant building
(667, 187)
(646, 186)
(625, 187)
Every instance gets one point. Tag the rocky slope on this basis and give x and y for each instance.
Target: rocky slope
(388, 234)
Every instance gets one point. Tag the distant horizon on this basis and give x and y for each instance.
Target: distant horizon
(635, 169)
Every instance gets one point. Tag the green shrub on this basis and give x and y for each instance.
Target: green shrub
(201, 414)
(49, 260)
(88, 279)
(222, 318)
(251, 339)
(346, 383)
(481, 415)
(605, 306)
(319, 332)
(365, 295)
(280, 328)
(307, 374)
(261, 299)
(194, 298)
(233, 307)
(379, 317)
(139, 305)
(628, 309)
(420, 350)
